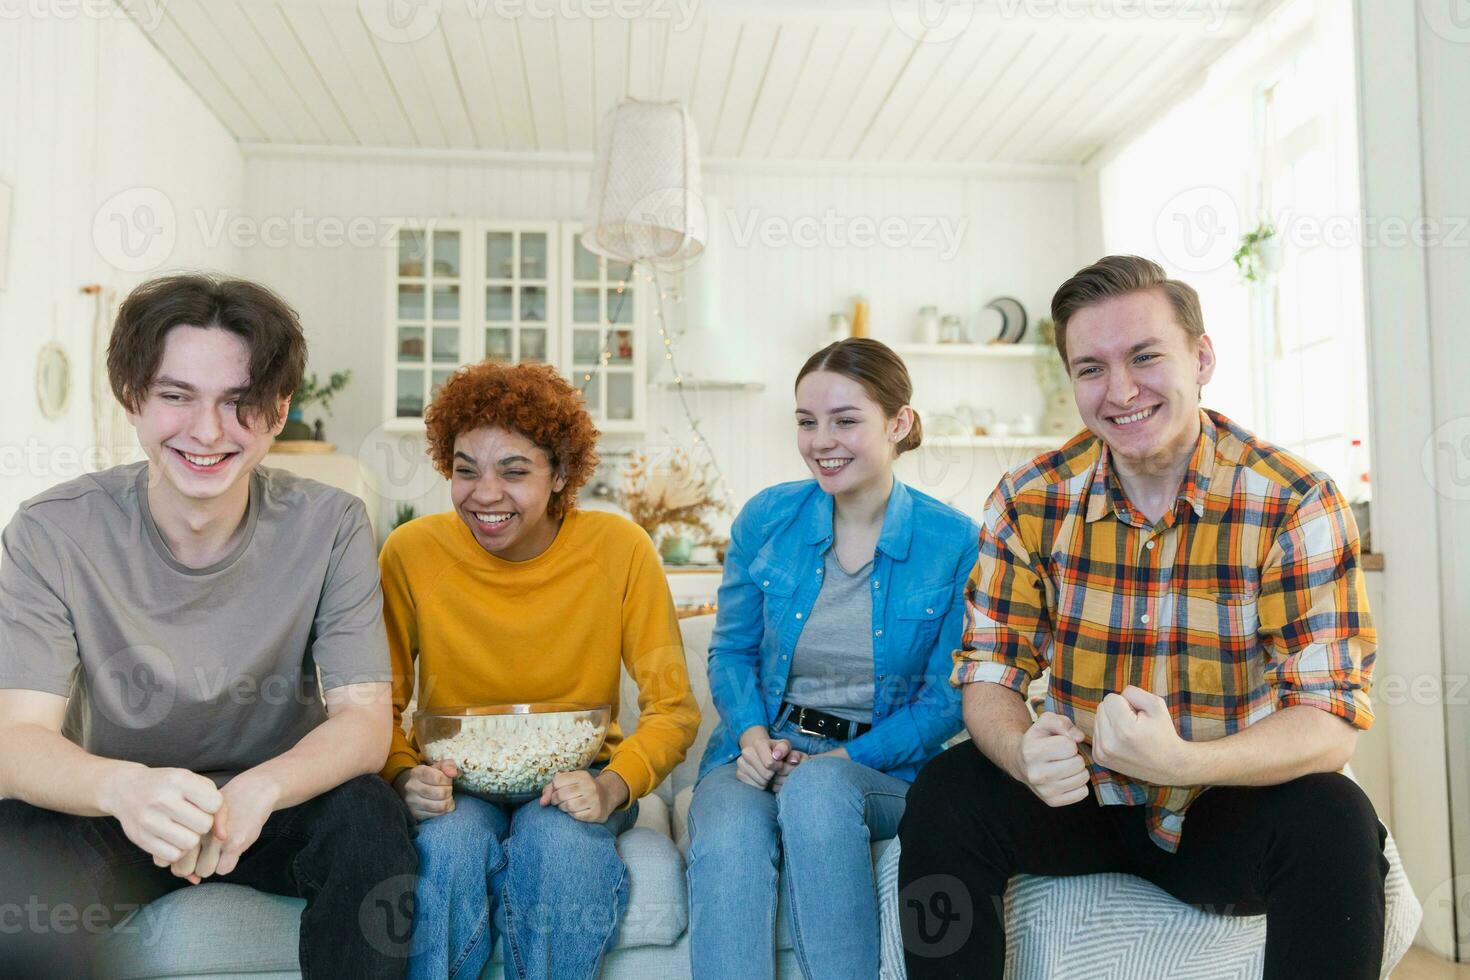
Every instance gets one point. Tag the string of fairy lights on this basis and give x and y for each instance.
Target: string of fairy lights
(650, 276)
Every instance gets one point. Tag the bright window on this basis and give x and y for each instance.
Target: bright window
(1268, 137)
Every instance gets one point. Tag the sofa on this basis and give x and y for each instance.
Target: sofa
(1114, 924)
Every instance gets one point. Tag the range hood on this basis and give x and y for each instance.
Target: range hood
(713, 350)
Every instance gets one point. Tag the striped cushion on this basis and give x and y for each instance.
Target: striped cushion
(1117, 925)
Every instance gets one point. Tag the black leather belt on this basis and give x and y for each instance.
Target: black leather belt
(822, 724)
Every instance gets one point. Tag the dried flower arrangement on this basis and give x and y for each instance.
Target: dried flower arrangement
(669, 491)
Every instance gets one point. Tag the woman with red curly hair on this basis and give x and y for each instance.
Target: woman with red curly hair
(516, 595)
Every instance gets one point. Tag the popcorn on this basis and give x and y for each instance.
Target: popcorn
(507, 754)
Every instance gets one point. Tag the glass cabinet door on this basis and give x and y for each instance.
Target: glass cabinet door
(460, 291)
(605, 344)
(518, 287)
(428, 314)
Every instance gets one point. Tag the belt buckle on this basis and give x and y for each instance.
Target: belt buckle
(801, 726)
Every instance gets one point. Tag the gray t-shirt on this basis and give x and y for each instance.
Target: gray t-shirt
(213, 669)
(832, 666)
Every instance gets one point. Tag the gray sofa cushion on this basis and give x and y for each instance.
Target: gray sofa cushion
(658, 905)
(211, 928)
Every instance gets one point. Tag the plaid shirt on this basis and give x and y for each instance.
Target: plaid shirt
(1245, 598)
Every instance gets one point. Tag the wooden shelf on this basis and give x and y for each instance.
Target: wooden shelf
(1025, 352)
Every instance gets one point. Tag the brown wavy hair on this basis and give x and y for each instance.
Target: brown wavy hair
(532, 399)
(265, 322)
(1118, 275)
(880, 371)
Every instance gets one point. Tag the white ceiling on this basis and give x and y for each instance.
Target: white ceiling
(997, 81)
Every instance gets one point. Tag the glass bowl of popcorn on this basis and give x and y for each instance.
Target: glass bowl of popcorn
(507, 753)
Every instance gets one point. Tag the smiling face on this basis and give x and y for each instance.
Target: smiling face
(843, 434)
(187, 423)
(1136, 375)
(500, 485)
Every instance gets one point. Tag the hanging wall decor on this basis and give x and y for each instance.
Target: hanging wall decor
(53, 381)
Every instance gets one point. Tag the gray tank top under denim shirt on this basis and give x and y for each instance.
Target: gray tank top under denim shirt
(832, 666)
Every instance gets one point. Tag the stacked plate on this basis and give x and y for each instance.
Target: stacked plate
(1003, 320)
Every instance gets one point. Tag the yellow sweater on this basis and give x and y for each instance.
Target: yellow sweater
(558, 627)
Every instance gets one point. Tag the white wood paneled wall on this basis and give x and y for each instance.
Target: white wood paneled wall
(95, 127)
(1010, 235)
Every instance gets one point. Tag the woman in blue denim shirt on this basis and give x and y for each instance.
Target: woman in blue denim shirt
(843, 599)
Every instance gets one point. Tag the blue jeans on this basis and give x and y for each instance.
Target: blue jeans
(821, 822)
(554, 886)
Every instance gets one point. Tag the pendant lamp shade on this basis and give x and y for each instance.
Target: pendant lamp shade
(643, 204)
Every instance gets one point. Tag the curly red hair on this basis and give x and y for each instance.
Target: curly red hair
(532, 399)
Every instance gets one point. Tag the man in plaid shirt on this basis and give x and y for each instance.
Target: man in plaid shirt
(1198, 597)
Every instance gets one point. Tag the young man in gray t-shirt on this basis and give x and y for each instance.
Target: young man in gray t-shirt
(194, 676)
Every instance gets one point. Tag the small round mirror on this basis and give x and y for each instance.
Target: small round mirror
(53, 381)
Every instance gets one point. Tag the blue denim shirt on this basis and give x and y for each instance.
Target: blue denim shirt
(773, 572)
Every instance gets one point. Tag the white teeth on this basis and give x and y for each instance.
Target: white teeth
(203, 460)
(832, 464)
(493, 518)
(1135, 417)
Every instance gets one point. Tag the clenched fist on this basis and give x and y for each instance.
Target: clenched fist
(428, 790)
(1135, 736)
(1047, 761)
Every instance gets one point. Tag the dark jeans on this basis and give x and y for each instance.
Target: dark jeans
(349, 852)
(1307, 853)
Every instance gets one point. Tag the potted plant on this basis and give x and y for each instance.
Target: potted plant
(1259, 254)
(1060, 416)
(311, 390)
(674, 495)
